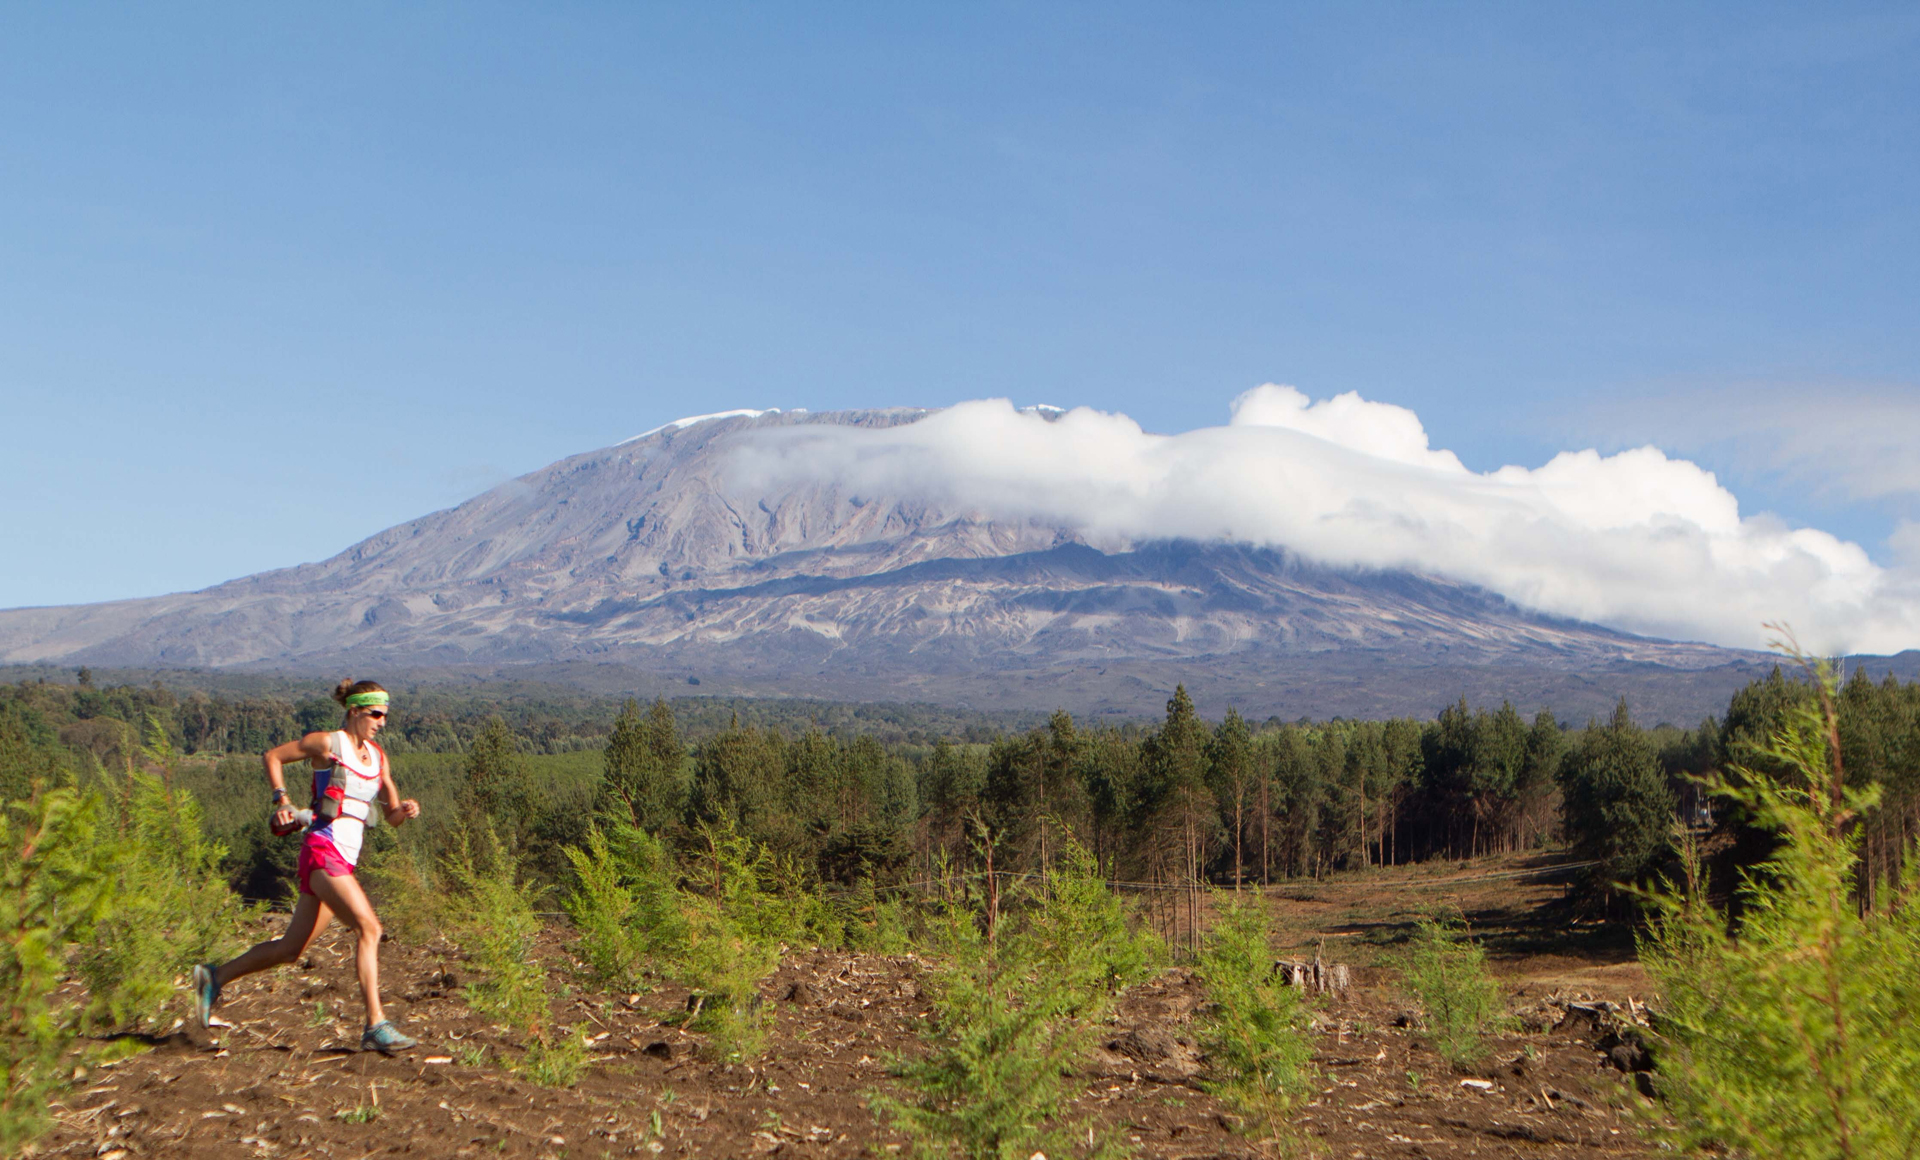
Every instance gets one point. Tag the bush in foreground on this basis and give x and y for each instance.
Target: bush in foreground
(1255, 1035)
(56, 883)
(1792, 1034)
(499, 931)
(1010, 1022)
(172, 907)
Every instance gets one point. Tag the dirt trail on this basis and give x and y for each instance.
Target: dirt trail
(283, 1082)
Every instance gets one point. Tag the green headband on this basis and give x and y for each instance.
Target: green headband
(362, 700)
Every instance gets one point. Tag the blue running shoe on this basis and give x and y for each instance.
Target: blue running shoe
(385, 1038)
(206, 993)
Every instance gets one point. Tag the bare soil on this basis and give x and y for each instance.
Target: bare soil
(285, 1080)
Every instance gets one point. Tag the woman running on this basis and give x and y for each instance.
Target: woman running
(349, 772)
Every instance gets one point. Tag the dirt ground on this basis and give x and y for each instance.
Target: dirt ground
(284, 1079)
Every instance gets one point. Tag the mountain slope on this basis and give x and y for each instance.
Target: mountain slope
(652, 556)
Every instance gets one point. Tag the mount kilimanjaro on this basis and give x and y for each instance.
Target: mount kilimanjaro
(645, 566)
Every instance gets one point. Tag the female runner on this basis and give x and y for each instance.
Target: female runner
(327, 856)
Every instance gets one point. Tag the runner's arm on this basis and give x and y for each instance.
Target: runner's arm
(310, 748)
(397, 811)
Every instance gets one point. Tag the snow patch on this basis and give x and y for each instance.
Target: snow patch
(677, 424)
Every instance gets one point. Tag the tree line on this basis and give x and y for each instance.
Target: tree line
(1178, 800)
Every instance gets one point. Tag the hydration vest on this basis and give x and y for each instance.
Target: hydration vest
(329, 801)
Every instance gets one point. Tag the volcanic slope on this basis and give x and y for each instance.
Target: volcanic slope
(651, 558)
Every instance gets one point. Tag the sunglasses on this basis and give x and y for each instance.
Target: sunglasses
(377, 714)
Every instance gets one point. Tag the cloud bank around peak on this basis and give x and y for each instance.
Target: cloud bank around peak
(1636, 540)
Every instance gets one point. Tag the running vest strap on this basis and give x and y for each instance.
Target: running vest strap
(330, 802)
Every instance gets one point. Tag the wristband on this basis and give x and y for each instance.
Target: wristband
(278, 796)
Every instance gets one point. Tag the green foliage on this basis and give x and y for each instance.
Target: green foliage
(499, 929)
(990, 1086)
(1078, 936)
(246, 713)
(29, 754)
(646, 767)
(56, 883)
(1447, 973)
(1488, 777)
(1010, 1021)
(173, 908)
(410, 891)
(602, 908)
(732, 939)
(498, 785)
(1256, 1032)
(881, 925)
(1792, 1033)
(506, 792)
(1618, 808)
(839, 809)
(720, 941)
(723, 964)
(1235, 775)
(624, 904)
(559, 1061)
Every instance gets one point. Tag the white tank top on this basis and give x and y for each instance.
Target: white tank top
(347, 831)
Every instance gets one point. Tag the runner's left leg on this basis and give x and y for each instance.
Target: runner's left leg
(344, 897)
(310, 917)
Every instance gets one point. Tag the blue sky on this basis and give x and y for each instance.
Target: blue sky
(278, 277)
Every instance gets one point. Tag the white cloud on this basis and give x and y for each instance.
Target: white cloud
(1637, 540)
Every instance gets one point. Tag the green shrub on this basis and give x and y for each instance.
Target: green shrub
(1447, 973)
(409, 891)
(56, 883)
(498, 930)
(1792, 1034)
(731, 940)
(605, 911)
(172, 907)
(1255, 1035)
(880, 925)
(990, 1086)
(558, 1062)
(723, 965)
(768, 898)
(1010, 1021)
(721, 944)
(1079, 937)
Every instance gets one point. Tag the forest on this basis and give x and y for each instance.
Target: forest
(694, 844)
(886, 793)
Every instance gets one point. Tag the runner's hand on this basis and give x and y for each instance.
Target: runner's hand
(406, 809)
(283, 817)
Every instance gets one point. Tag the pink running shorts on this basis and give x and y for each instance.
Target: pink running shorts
(319, 853)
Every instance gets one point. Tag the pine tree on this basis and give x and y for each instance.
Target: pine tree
(56, 884)
(1234, 774)
(645, 767)
(1184, 817)
(1618, 808)
(498, 784)
(1791, 1033)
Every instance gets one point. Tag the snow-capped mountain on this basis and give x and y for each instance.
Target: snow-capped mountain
(653, 556)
